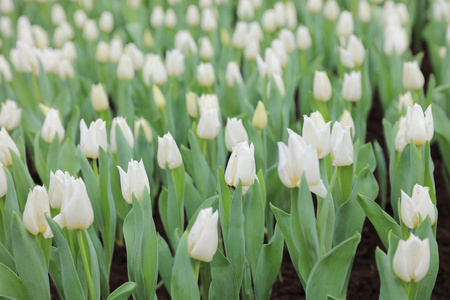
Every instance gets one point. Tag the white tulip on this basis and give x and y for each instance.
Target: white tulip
(241, 166)
(347, 120)
(137, 57)
(57, 188)
(412, 259)
(419, 127)
(413, 78)
(102, 52)
(245, 9)
(234, 133)
(209, 124)
(341, 145)
(185, 43)
(255, 31)
(90, 30)
(354, 55)
(76, 207)
(126, 131)
(345, 26)
(171, 19)
(400, 137)
(93, 138)
(168, 152)
(205, 74)
(142, 123)
(191, 104)
(52, 125)
(3, 181)
(279, 83)
(316, 132)
(99, 99)
(364, 11)
(58, 14)
(321, 86)
(251, 50)
(10, 115)
(209, 22)
(206, 49)
(134, 181)
(125, 69)
(207, 101)
(269, 20)
(351, 87)
(36, 207)
(69, 51)
(239, 37)
(417, 207)
(40, 37)
(314, 6)
(291, 15)
(106, 22)
(270, 65)
(115, 50)
(287, 38)
(192, 15)
(280, 14)
(260, 119)
(203, 237)
(280, 51)
(303, 37)
(405, 101)
(395, 39)
(79, 17)
(233, 74)
(174, 62)
(6, 145)
(154, 70)
(331, 10)
(157, 17)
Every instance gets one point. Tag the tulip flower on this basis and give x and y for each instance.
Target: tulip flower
(254, 30)
(115, 50)
(154, 70)
(341, 145)
(270, 65)
(345, 26)
(65, 70)
(412, 76)
(69, 51)
(321, 86)
(10, 115)
(251, 50)
(5, 70)
(145, 126)
(79, 18)
(234, 133)
(191, 104)
(364, 11)
(353, 55)
(174, 62)
(405, 101)
(314, 6)
(125, 70)
(57, 187)
(3, 181)
(157, 17)
(245, 9)
(239, 38)
(316, 132)
(233, 74)
(395, 39)
(192, 15)
(347, 120)
(278, 83)
(158, 96)
(209, 22)
(412, 259)
(279, 50)
(400, 137)
(90, 30)
(207, 101)
(280, 14)
(126, 131)
(351, 87)
(203, 237)
(171, 19)
(419, 127)
(298, 159)
(36, 207)
(106, 22)
(58, 14)
(185, 43)
(287, 38)
(206, 49)
(205, 74)
(331, 10)
(168, 152)
(6, 145)
(99, 99)
(303, 38)
(209, 124)
(93, 138)
(417, 207)
(260, 119)
(241, 166)
(134, 181)
(52, 125)
(268, 20)
(137, 57)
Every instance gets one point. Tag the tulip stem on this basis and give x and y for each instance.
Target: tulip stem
(411, 290)
(86, 265)
(94, 164)
(197, 269)
(35, 87)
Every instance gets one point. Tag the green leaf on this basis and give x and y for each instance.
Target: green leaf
(54, 269)
(210, 202)
(6, 258)
(21, 175)
(11, 286)
(67, 158)
(30, 261)
(184, 282)
(390, 287)
(123, 292)
(39, 160)
(365, 156)
(165, 263)
(52, 157)
(11, 205)
(329, 274)
(192, 199)
(224, 203)
(124, 150)
(223, 284)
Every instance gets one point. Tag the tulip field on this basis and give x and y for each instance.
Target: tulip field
(221, 149)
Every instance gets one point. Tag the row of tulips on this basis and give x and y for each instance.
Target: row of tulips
(229, 197)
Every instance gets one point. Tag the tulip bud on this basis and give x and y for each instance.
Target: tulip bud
(412, 259)
(279, 84)
(268, 20)
(351, 87)
(417, 207)
(40, 37)
(126, 131)
(239, 38)
(400, 137)
(5, 70)
(168, 152)
(205, 74)
(321, 86)
(405, 101)
(3, 181)
(331, 10)
(69, 51)
(364, 11)
(79, 17)
(134, 3)
(341, 145)
(99, 99)
(233, 74)
(145, 126)
(58, 14)
(251, 49)
(174, 62)
(192, 15)
(280, 14)
(260, 116)
(315, 132)
(287, 38)
(158, 97)
(395, 39)
(314, 6)
(271, 64)
(354, 54)
(347, 120)
(442, 52)
(134, 181)
(57, 188)
(224, 37)
(209, 22)
(412, 76)
(76, 208)
(171, 19)
(93, 138)
(6, 27)
(10, 115)
(148, 38)
(36, 207)
(154, 70)
(157, 17)
(7, 144)
(345, 27)
(303, 38)
(115, 50)
(137, 57)
(203, 237)
(291, 15)
(52, 125)
(402, 12)
(185, 43)
(101, 54)
(106, 22)
(90, 31)
(209, 125)
(191, 104)
(241, 166)
(234, 133)
(279, 51)
(419, 128)
(65, 69)
(206, 49)
(207, 101)
(254, 30)
(245, 9)
(125, 70)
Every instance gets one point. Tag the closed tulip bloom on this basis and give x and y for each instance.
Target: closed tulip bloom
(206, 49)
(5, 70)
(417, 207)
(345, 26)
(6, 26)
(126, 131)
(10, 115)
(90, 30)
(314, 6)
(99, 99)
(303, 37)
(134, 181)
(106, 22)
(205, 74)
(137, 57)
(270, 65)
(52, 125)
(168, 152)
(331, 10)
(255, 31)
(142, 123)
(158, 97)
(239, 37)
(40, 37)
(69, 51)
(316, 132)
(171, 19)
(287, 38)
(419, 127)
(234, 133)
(412, 76)
(35, 209)
(280, 14)
(57, 188)
(76, 208)
(225, 38)
(203, 237)
(351, 87)
(402, 12)
(412, 259)
(400, 137)
(405, 101)
(209, 22)
(241, 166)
(347, 120)
(279, 51)
(354, 54)
(251, 50)
(125, 70)
(115, 50)
(291, 15)
(79, 18)
(321, 86)
(395, 39)
(174, 62)
(93, 138)
(65, 69)
(192, 15)
(3, 181)
(233, 74)
(245, 9)
(279, 83)
(209, 125)
(154, 70)
(341, 145)
(157, 17)
(260, 119)
(191, 104)
(364, 11)
(148, 38)
(58, 14)
(6, 145)
(268, 20)
(207, 101)
(185, 43)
